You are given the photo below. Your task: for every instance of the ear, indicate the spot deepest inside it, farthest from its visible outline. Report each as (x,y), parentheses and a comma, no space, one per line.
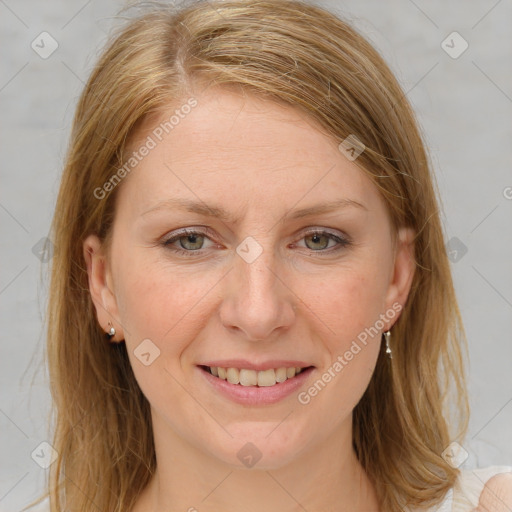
(402,272)
(101,288)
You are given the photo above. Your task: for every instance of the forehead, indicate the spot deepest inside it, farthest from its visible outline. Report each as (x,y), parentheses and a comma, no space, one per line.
(241,151)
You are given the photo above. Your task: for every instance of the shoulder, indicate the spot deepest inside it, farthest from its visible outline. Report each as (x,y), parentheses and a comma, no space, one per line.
(484,489)
(497,494)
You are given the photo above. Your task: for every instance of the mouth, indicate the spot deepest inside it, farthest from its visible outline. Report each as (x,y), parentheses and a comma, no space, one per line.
(254,378)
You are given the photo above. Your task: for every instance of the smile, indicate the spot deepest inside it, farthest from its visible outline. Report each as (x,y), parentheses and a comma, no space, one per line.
(246,377)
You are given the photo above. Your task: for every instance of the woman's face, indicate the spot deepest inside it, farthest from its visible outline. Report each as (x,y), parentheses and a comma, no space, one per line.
(269,279)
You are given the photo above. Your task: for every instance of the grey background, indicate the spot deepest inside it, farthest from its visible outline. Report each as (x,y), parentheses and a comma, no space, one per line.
(464,106)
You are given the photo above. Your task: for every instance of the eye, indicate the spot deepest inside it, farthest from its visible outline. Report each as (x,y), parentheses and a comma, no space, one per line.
(318,241)
(189,240)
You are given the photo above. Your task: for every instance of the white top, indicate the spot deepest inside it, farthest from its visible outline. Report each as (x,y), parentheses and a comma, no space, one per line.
(463,497)
(465,494)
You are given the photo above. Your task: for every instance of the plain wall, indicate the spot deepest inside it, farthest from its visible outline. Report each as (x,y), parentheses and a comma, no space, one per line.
(463,104)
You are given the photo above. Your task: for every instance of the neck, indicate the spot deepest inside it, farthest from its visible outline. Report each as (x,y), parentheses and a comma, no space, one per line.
(328,477)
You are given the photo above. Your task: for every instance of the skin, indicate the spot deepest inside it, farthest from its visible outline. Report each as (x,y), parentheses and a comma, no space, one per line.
(260,161)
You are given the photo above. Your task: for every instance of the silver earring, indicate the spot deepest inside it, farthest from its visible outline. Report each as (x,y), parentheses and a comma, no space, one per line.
(112,331)
(387,335)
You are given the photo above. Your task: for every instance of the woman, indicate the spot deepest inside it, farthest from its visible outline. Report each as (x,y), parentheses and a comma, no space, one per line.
(251,305)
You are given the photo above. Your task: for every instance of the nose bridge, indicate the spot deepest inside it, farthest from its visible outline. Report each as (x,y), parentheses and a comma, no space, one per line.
(258,302)
(256,269)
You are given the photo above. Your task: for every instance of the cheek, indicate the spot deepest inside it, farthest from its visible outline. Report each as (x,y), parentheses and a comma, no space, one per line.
(346,300)
(161,303)
(167,307)
(348,308)
(351,343)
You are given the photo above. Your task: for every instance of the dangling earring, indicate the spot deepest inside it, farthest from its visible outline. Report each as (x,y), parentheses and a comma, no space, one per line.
(387,335)
(112,331)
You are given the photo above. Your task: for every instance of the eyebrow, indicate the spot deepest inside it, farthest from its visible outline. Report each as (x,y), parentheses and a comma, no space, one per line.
(222,214)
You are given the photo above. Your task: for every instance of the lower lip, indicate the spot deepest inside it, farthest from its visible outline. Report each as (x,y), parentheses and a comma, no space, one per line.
(254,395)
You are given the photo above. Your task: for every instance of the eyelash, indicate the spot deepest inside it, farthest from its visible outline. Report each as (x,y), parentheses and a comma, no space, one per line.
(342,242)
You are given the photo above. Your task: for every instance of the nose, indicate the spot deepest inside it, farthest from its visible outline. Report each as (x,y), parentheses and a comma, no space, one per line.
(258,298)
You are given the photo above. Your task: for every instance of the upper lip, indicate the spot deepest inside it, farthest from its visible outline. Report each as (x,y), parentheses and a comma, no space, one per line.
(248,365)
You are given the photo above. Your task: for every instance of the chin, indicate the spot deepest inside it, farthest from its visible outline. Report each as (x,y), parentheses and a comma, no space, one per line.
(260,446)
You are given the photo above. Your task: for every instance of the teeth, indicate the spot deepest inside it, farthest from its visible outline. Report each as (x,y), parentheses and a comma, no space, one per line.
(267,377)
(280,374)
(248,378)
(232,376)
(262,378)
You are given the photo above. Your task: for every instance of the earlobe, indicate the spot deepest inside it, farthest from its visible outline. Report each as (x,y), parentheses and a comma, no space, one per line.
(403,269)
(101,293)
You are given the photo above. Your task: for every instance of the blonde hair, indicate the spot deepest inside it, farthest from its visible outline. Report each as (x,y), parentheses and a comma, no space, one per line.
(304,56)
